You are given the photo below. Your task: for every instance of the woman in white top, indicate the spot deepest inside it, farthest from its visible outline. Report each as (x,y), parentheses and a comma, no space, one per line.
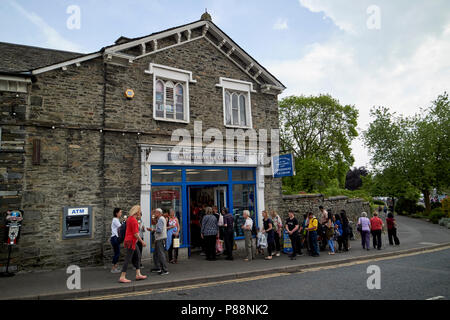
(115,225)
(247,227)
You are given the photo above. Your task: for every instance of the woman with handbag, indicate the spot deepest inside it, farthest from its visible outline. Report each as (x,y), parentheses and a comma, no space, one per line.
(174,225)
(278,229)
(269,233)
(364,228)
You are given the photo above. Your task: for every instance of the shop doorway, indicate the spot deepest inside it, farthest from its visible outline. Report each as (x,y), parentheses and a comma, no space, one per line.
(201,197)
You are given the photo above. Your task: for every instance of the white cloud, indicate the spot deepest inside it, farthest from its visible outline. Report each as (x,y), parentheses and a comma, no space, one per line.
(403,66)
(281,24)
(52,38)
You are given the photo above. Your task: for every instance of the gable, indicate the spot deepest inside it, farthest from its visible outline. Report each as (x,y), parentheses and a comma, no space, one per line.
(127,51)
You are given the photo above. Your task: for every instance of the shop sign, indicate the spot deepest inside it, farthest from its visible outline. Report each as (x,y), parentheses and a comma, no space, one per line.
(283,166)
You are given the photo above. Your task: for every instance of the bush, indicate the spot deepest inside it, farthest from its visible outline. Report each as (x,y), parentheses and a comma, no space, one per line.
(378,202)
(435,205)
(405,206)
(446,206)
(436,215)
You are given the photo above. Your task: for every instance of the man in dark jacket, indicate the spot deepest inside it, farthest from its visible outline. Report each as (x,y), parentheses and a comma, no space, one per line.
(228,223)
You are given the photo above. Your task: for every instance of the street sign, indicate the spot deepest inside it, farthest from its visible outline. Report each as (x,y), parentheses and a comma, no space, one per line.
(283,166)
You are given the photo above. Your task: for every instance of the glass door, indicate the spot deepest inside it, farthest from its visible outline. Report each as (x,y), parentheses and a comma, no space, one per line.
(220,197)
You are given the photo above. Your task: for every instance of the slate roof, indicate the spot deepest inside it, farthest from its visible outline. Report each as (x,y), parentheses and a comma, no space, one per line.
(16,58)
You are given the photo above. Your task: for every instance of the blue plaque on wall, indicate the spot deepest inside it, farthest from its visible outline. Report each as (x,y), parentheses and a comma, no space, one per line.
(283,166)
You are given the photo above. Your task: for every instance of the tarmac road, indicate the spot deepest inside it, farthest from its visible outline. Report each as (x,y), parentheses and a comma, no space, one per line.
(419,276)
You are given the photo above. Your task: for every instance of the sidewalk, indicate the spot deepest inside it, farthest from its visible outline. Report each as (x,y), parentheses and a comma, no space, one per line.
(414,235)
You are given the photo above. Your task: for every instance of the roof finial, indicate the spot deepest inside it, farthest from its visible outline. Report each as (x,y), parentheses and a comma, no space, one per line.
(206,16)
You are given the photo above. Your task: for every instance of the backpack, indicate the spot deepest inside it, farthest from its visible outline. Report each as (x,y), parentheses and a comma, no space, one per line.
(121,231)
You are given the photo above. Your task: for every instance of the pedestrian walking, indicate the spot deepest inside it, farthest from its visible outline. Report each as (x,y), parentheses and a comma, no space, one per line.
(376,226)
(312,230)
(173,232)
(278,231)
(330,234)
(364,229)
(209,231)
(159,254)
(267,230)
(392,229)
(228,233)
(131,237)
(115,225)
(247,227)
(293,229)
(345,230)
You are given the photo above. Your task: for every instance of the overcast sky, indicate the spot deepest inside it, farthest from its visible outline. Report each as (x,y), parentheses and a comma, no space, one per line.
(365,53)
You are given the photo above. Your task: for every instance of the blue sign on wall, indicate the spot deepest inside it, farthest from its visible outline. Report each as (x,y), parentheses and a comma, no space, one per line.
(283,166)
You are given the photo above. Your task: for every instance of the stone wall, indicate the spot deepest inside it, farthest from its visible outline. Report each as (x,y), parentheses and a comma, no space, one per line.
(302,204)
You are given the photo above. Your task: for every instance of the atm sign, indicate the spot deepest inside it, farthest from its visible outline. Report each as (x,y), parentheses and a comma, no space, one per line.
(78,211)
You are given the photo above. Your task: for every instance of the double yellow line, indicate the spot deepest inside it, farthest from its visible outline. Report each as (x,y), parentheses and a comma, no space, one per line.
(261,277)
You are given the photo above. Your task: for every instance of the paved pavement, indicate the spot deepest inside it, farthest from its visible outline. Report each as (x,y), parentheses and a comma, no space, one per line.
(419,277)
(413,234)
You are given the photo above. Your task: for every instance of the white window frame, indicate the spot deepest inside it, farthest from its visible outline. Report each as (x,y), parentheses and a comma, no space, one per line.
(240,87)
(21,84)
(177,76)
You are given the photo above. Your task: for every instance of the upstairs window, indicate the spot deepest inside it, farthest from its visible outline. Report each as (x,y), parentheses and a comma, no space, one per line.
(171,93)
(237,103)
(236,109)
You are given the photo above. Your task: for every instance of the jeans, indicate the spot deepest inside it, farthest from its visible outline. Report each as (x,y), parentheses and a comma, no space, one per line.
(210,247)
(365,239)
(134,256)
(159,255)
(392,234)
(116,247)
(331,245)
(228,237)
(249,246)
(314,244)
(277,242)
(173,252)
(295,244)
(376,235)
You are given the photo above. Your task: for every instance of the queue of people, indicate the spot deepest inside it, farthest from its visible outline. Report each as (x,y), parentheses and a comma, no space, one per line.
(327,232)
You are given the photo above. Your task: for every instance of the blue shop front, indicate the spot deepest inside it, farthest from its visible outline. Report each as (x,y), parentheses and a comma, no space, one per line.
(188,189)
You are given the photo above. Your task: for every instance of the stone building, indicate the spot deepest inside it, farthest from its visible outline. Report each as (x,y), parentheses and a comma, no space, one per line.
(82,134)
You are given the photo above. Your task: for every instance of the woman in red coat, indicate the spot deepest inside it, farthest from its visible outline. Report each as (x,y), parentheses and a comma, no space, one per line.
(131,238)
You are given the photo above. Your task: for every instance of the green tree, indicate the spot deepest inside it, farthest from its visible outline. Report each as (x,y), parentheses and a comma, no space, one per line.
(411,151)
(318,130)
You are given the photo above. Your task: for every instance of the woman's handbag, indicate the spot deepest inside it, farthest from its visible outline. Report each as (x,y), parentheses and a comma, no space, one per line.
(176,243)
(219,246)
(262,240)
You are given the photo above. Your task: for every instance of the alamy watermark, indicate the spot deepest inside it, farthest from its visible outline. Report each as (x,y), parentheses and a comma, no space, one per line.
(74,280)
(374,280)
(237,146)
(374,20)
(74,20)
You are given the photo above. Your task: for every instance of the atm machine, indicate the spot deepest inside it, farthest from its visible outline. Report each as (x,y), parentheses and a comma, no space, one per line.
(77,222)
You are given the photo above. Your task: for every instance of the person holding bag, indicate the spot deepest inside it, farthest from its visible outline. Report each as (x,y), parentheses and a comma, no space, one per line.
(278,229)
(173,232)
(269,233)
